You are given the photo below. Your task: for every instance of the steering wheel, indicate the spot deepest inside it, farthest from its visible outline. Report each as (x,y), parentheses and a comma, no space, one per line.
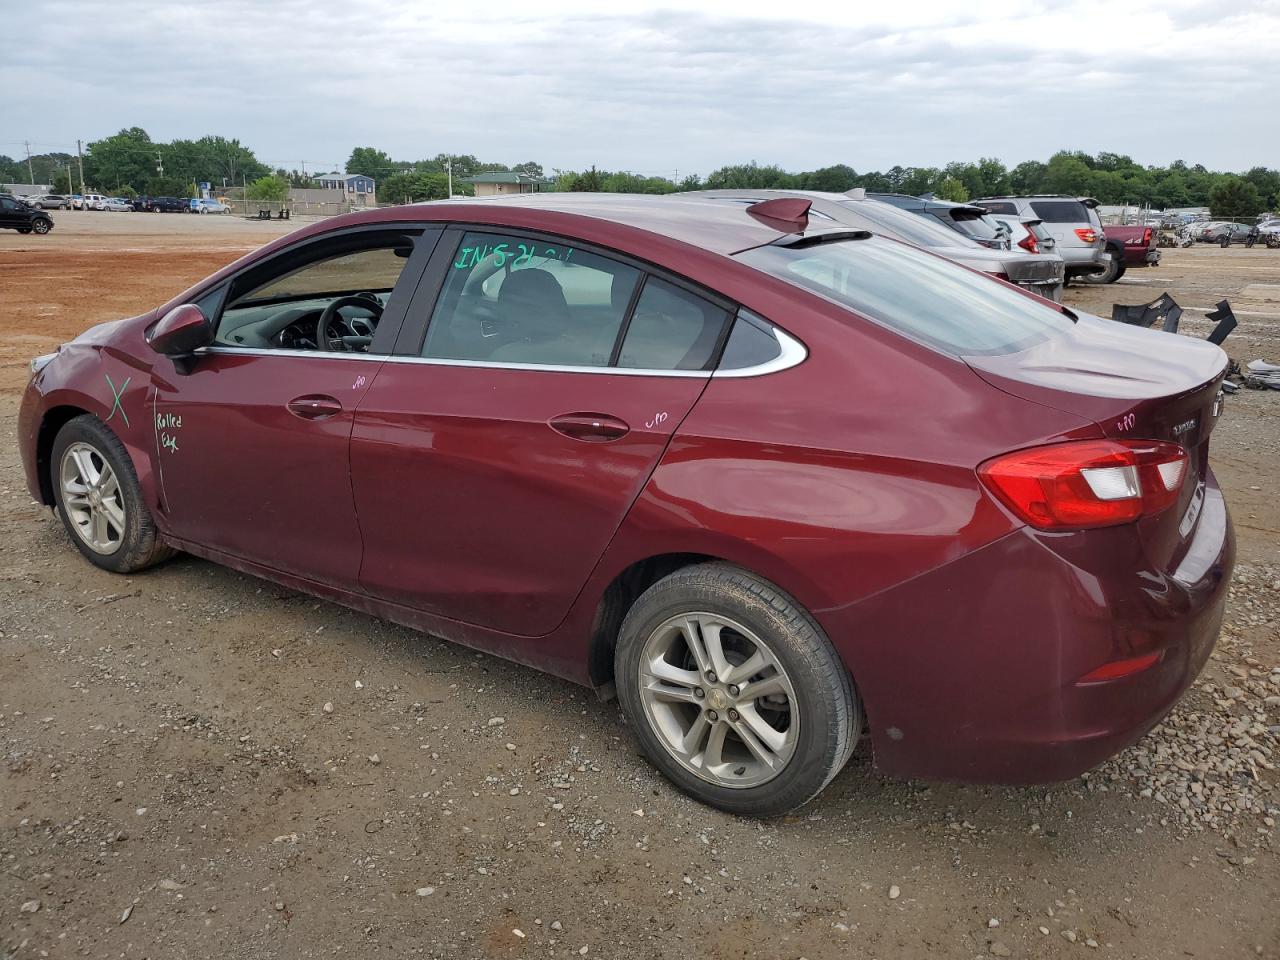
(364,301)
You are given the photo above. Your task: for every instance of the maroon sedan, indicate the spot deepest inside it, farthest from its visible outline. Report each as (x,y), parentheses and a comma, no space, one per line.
(776,483)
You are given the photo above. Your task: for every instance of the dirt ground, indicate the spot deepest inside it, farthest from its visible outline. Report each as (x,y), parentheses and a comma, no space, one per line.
(198,764)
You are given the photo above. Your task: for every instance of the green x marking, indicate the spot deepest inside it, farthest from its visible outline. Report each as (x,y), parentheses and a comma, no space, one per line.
(118,394)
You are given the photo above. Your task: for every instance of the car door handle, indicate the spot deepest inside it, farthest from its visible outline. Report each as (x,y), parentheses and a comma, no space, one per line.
(314,407)
(590,427)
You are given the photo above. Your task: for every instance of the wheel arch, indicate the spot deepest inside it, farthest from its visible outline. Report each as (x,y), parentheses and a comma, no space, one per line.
(616,599)
(55,418)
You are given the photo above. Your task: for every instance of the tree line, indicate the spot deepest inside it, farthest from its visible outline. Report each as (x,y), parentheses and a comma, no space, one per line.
(1111,178)
(131,162)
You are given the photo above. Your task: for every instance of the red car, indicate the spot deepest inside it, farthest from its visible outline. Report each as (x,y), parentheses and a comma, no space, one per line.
(776,483)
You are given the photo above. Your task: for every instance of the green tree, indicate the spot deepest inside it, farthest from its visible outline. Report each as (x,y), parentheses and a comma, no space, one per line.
(749,175)
(691,182)
(1027,177)
(273,188)
(1233,199)
(164,187)
(371,162)
(952,189)
(833,179)
(529,169)
(589,182)
(1268,184)
(1067,173)
(128,157)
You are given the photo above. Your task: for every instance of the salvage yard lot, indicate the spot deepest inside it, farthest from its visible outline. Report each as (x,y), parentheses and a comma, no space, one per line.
(198,764)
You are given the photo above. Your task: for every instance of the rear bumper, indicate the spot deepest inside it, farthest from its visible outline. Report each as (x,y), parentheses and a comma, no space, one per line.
(970,672)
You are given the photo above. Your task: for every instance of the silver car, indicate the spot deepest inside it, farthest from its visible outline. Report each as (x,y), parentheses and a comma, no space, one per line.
(1073,221)
(1039,273)
(1031,235)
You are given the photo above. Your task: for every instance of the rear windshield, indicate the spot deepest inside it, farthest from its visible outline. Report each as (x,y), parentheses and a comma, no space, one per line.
(924,296)
(1060,211)
(882,217)
(978,226)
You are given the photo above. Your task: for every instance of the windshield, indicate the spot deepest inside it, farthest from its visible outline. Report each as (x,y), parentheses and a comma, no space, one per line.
(924,296)
(884,218)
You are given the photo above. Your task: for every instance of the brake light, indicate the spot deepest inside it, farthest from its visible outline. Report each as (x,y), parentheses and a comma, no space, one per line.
(1028,243)
(1087,483)
(1146,237)
(1087,234)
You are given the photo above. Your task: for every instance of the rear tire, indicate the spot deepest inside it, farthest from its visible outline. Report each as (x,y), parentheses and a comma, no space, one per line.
(804,705)
(99,499)
(1113,272)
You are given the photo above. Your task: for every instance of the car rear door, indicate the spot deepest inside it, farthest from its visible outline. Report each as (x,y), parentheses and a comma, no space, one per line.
(535,386)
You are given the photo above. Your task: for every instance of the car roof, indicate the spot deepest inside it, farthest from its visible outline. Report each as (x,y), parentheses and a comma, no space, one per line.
(715,227)
(917,203)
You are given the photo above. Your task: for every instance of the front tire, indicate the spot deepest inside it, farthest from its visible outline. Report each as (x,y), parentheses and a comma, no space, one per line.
(99,499)
(734,692)
(41,226)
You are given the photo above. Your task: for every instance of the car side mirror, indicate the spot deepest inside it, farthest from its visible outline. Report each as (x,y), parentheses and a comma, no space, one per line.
(181,332)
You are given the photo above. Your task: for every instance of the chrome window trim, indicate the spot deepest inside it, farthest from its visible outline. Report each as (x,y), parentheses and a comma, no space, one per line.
(793,353)
(264,352)
(552,367)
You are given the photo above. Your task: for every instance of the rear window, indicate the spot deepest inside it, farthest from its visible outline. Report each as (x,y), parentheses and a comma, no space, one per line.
(1060,211)
(978,226)
(900,224)
(923,296)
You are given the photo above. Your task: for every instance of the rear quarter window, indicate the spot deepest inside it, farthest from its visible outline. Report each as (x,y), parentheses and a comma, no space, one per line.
(999,206)
(924,297)
(1060,211)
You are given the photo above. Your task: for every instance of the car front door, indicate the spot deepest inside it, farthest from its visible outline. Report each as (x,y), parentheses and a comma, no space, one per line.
(497,453)
(11,213)
(252,435)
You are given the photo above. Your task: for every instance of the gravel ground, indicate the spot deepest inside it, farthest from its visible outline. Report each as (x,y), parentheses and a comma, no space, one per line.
(194,763)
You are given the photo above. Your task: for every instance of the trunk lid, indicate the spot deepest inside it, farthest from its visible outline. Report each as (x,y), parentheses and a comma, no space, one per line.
(1134,384)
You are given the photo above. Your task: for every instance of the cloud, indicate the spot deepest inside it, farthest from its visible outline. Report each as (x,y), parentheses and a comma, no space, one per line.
(654,89)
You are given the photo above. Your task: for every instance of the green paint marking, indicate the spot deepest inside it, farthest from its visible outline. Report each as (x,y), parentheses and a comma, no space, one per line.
(118,405)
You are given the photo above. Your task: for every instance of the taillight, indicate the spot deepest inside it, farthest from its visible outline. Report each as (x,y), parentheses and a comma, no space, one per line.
(1087,234)
(1087,483)
(1028,243)
(1146,237)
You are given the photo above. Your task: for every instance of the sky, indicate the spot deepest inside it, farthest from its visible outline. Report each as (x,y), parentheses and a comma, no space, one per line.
(656,89)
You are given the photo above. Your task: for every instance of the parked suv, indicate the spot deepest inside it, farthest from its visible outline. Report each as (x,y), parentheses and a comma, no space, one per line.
(965,218)
(1073,221)
(169,205)
(16,215)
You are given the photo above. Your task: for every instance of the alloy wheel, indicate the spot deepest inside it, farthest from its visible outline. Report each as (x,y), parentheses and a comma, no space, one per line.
(92,498)
(719,700)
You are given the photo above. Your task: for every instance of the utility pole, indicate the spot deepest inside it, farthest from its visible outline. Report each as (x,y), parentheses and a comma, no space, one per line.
(30,170)
(80,154)
(448,168)
(159,164)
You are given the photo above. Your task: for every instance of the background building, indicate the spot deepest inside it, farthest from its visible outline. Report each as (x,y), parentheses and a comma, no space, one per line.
(359,189)
(504,182)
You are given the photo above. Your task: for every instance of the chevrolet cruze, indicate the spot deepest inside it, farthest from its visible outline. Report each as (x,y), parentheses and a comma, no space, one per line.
(781,486)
